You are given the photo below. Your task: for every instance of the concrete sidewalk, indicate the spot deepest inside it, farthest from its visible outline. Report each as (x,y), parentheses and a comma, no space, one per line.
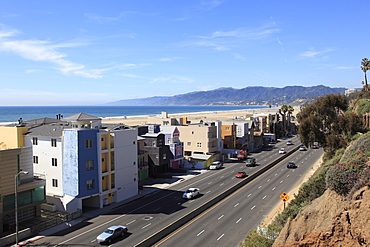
(149,187)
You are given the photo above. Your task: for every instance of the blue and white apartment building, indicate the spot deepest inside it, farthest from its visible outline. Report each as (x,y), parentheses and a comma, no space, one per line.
(85,164)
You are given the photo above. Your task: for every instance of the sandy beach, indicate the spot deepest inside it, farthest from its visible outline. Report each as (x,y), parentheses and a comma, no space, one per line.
(195,117)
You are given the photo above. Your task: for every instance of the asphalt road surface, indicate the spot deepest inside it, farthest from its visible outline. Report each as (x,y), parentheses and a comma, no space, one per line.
(237,215)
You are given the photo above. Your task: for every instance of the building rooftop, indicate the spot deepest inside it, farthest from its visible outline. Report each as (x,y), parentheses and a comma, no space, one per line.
(81,117)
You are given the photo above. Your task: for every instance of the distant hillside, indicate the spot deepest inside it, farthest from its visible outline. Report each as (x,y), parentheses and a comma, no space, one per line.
(232,96)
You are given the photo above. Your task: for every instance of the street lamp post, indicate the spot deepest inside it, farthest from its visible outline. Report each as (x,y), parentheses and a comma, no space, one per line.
(16,205)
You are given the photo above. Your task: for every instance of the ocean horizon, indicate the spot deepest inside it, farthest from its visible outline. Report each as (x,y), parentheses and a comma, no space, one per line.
(14,113)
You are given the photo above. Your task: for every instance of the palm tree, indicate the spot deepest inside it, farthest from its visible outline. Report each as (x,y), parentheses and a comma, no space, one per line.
(290,111)
(284,109)
(365,66)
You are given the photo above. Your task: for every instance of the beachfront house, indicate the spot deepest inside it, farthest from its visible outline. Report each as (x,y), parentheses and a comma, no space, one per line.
(172,139)
(85,164)
(158,152)
(200,143)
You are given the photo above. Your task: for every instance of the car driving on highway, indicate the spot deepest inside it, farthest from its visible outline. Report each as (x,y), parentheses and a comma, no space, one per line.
(241,174)
(282,151)
(111,233)
(302,148)
(191,193)
(250,161)
(291,165)
(215,165)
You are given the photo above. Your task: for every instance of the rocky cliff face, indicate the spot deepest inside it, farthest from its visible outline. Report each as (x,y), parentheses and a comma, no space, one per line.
(330,221)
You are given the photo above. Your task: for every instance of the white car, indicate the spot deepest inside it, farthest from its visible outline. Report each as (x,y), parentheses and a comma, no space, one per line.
(289,143)
(302,148)
(282,151)
(215,165)
(191,193)
(111,233)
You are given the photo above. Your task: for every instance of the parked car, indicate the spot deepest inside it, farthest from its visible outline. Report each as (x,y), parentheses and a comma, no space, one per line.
(302,148)
(111,233)
(282,151)
(291,165)
(241,174)
(215,165)
(289,143)
(250,161)
(191,193)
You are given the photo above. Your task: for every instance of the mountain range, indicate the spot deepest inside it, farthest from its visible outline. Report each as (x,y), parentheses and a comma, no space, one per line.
(256,95)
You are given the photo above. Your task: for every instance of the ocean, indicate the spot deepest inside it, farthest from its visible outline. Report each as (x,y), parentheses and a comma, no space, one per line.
(13,113)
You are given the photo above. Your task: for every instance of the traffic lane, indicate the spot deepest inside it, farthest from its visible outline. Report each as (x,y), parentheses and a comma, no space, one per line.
(139,223)
(234,218)
(170,208)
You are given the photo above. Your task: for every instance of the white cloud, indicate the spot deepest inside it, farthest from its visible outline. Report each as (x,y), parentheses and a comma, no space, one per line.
(223,40)
(29,71)
(281,44)
(343,67)
(239,57)
(172,79)
(169,59)
(316,55)
(208,5)
(256,33)
(44,51)
(130,75)
(206,43)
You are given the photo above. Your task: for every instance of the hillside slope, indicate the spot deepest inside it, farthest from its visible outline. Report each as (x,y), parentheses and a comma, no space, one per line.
(228,95)
(330,221)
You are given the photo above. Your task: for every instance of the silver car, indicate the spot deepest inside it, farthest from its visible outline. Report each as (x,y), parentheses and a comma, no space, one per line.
(191,193)
(111,233)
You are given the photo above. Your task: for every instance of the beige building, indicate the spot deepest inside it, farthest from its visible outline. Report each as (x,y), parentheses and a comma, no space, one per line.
(199,138)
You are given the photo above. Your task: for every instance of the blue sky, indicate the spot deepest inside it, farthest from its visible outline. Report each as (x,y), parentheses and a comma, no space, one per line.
(91,52)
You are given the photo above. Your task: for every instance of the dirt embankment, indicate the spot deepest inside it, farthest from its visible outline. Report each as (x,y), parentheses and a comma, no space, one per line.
(330,220)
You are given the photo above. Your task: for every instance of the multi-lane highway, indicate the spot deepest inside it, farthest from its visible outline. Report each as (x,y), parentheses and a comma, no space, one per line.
(228,222)
(223,225)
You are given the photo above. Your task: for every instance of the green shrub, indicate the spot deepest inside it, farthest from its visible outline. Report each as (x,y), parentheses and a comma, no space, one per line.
(343,176)
(363,180)
(256,238)
(363,106)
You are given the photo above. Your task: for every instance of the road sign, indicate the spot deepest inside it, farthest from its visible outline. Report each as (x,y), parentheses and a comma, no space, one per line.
(284,196)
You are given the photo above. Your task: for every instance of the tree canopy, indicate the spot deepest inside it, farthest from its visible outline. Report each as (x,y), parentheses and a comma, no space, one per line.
(326,121)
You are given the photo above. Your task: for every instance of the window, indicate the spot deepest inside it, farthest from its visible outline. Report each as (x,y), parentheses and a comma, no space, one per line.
(199,144)
(90,184)
(35,159)
(53,142)
(88,143)
(89,165)
(55,182)
(54,161)
(164,156)
(227,128)
(189,144)
(34,141)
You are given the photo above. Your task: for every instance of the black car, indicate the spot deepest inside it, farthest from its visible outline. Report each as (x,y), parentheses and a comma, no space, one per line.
(291,165)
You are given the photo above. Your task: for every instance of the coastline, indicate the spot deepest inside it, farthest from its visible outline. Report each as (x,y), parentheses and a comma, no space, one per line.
(194,116)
